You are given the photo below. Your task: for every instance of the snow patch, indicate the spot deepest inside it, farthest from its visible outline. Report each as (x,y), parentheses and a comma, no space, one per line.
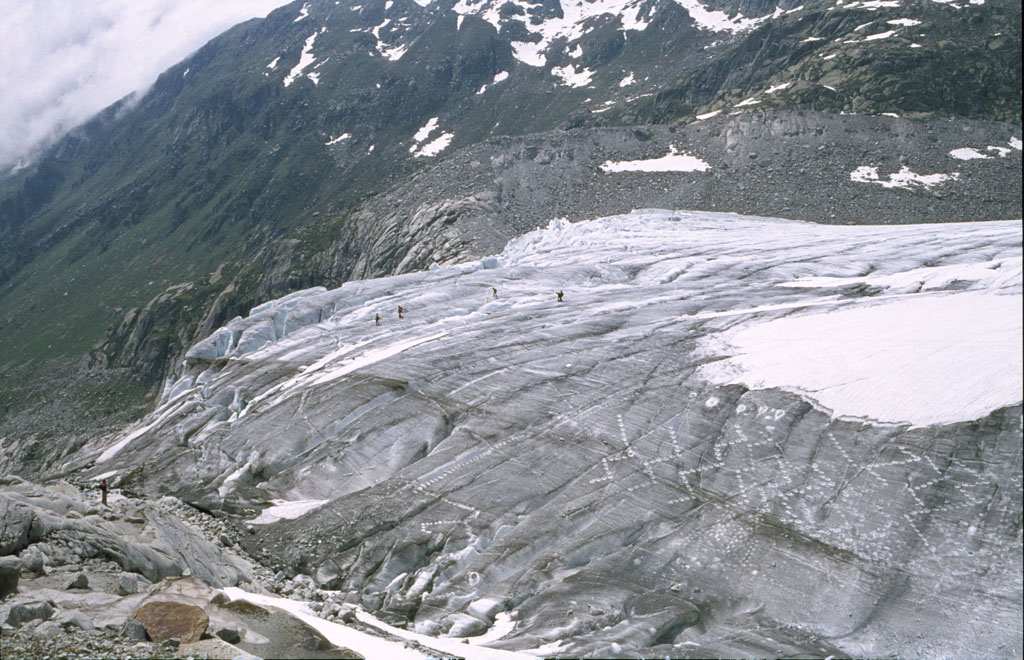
(285,510)
(424,132)
(393,54)
(343,136)
(920,360)
(718,21)
(571,77)
(436,146)
(873,5)
(570,26)
(303,13)
(966,153)
(905,178)
(672,162)
(880,35)
(305,59)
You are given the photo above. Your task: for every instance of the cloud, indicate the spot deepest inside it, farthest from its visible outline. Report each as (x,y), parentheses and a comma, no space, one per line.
(62,61)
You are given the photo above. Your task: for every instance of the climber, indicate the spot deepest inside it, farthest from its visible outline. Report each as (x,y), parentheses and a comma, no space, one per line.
(495,291)
(559,294)
(400,312)
(377,319)
(103,491)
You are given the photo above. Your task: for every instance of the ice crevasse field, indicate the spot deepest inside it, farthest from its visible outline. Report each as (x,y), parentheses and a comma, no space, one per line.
(904,326)
(911,323)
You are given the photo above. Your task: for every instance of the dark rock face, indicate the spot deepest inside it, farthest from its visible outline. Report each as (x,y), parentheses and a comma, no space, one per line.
(165,620)
(10,573)
(229,635)
(133,629)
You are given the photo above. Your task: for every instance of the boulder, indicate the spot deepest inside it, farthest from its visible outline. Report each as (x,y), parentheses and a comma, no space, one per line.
(133,629)
(10,573)
(32,559)
(127,584)
(81,581)
(213,648)
(229,635)
(166,620)
(24,612)
(47,630)
(74,618)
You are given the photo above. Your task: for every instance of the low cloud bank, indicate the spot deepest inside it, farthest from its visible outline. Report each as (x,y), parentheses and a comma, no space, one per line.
(62,61)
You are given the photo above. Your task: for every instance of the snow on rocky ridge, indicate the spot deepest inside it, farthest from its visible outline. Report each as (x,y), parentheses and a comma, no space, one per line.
(721,411)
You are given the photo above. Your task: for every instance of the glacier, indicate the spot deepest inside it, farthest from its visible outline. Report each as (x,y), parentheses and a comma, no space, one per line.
(734,435)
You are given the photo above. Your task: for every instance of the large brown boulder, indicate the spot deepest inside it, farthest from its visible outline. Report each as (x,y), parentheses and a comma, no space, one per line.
(166,619)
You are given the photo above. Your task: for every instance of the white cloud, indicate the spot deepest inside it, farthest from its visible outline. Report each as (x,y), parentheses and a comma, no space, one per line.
(62,61)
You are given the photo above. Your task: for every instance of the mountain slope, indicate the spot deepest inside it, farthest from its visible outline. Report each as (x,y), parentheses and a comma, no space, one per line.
(634,470)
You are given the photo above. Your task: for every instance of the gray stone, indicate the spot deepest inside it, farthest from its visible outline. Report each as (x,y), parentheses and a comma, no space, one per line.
(346,614)
(81,581)
(133,629)
(24,612)
(74,618)
(33,560)
(127,584)
(229,635)
(47,630)
(10,573)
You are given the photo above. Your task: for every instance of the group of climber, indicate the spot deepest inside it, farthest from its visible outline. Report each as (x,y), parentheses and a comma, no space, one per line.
(494,293)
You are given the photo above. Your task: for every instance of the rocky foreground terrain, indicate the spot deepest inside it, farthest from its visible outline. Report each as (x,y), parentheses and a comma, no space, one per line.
(138,578)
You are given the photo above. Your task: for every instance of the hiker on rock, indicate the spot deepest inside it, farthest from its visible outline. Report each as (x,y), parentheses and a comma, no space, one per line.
(400,312)
(376,320)
(559,294)
(103,491)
